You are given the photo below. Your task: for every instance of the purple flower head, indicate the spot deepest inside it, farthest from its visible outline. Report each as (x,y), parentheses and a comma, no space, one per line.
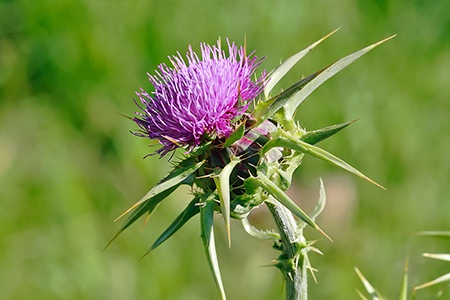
(198,100)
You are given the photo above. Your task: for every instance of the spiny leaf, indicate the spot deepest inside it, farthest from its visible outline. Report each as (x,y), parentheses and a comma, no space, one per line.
(265,109)
(284,199)
(315,136)
(222,182)
(146,207)
(301,146)
(207,221)
(259,234)
(282,69)
(329,72)
(150,201)
(191,210)
(173,179)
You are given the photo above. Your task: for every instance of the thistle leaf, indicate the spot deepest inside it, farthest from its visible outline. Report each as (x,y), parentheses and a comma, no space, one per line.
(282,69)
(301,146)
(222,182)
(259,234)
(174,179)
(146,207)
(284,199)
(150,201)
(315,136)
(191,210)
(207,221)
(329,72)
(265,109)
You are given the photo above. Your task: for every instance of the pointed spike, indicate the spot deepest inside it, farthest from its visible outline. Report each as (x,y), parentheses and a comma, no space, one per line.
(112,240)
(282,69)
(299,145)
(330,71)
(324,234)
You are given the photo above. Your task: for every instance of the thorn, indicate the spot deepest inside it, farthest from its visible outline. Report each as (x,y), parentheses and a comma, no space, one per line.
(109,243)
(228,235)
(375,183)
(322,232)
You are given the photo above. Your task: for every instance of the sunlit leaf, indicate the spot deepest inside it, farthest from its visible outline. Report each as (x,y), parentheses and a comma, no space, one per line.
(259,234)
(315,136)
(301,146)
(282,69)
(329,72)
(265,109)
(150,201)
(175,178)
(207,232)
(222,182)
(284,199)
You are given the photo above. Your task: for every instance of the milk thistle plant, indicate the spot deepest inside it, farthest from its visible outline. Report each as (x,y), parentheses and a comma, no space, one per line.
(241,145)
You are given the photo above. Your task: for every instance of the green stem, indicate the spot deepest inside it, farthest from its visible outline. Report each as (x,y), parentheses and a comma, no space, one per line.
(292,265)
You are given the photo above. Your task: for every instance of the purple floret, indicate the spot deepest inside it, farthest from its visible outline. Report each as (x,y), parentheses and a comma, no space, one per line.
(196,101)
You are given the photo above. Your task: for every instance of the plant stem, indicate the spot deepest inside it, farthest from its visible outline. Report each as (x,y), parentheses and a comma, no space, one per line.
(292,265)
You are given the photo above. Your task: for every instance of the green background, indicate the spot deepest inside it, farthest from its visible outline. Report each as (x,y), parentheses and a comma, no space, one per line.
(69,166)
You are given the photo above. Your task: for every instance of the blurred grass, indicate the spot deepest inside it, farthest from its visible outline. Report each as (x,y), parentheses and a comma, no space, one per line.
(69,166)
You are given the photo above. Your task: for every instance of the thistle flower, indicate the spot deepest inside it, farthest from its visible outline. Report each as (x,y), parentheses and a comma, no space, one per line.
(198,100)
(243,145)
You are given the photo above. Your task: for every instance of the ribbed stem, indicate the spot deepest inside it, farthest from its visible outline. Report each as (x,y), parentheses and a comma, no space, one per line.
(295,277)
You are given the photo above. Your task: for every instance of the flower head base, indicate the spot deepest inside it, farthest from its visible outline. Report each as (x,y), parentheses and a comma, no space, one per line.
(198,100)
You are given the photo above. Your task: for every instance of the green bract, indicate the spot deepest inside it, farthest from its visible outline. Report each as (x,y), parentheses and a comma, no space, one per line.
(253,166)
